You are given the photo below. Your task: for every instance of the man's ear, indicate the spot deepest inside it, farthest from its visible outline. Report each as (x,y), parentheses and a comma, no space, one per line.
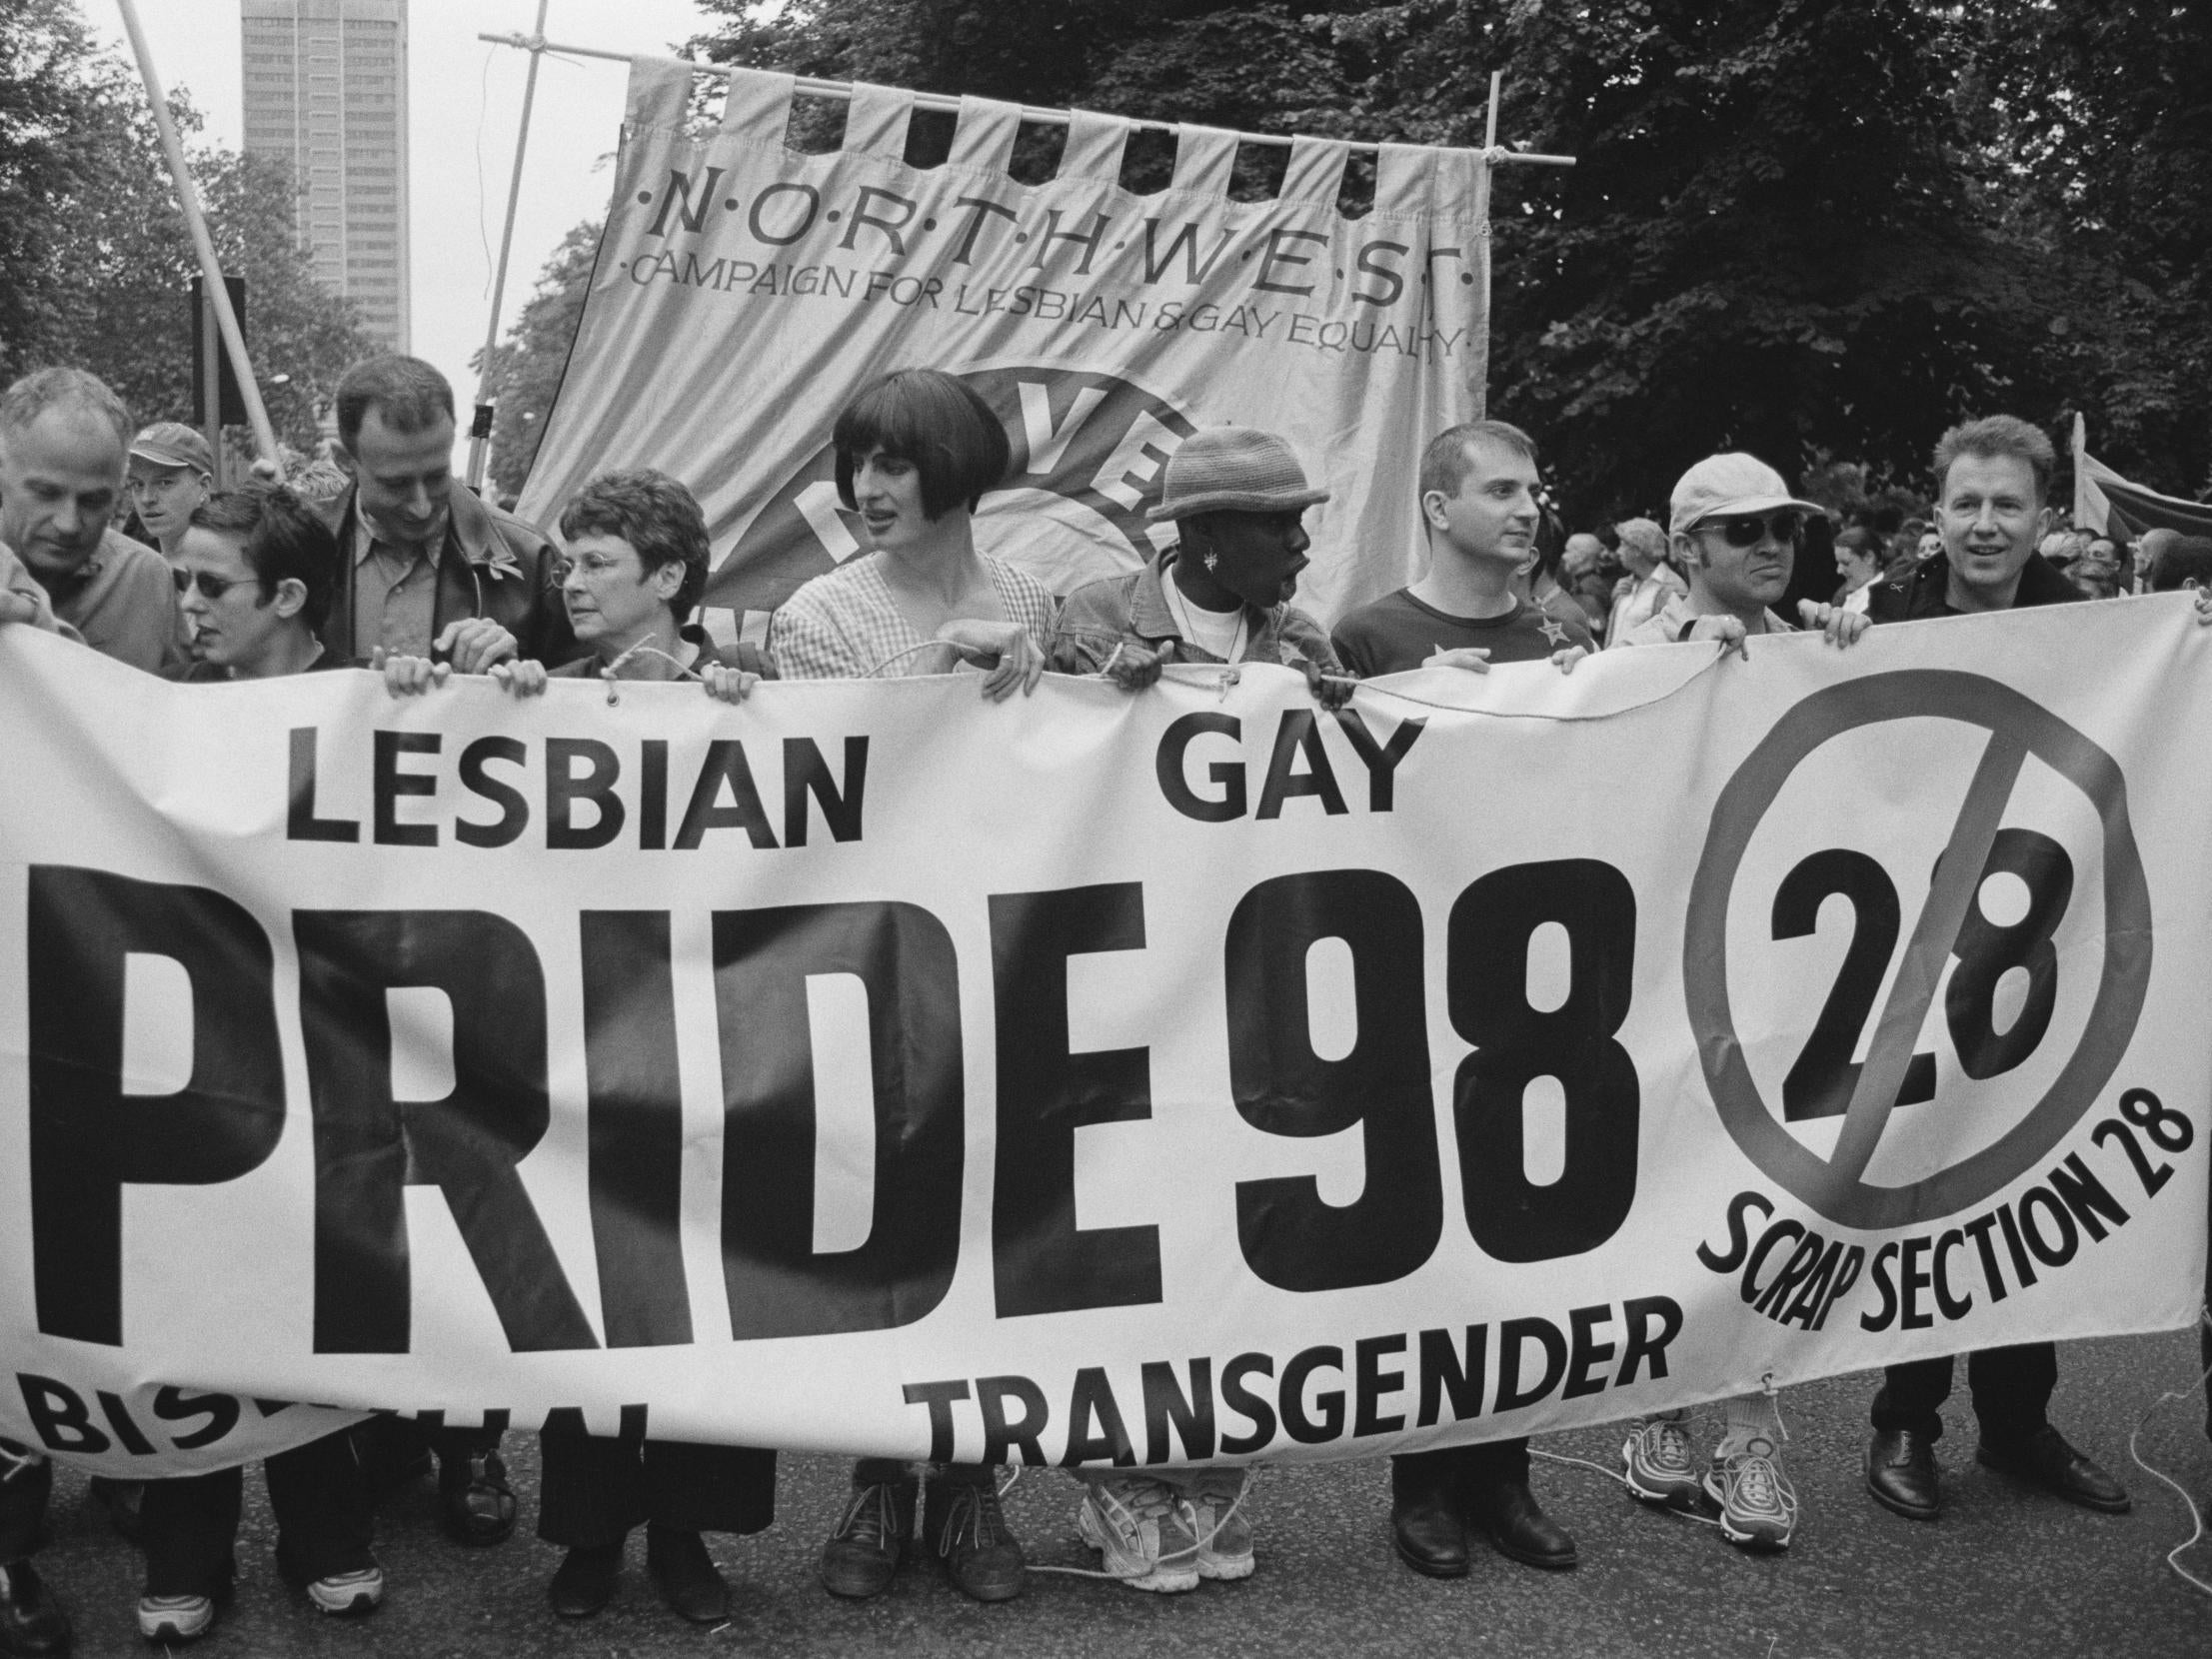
(1686,552)
(2047,521)
(290,597)
(1433,510)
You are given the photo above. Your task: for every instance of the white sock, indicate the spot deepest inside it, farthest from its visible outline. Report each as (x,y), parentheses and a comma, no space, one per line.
(1745,1416)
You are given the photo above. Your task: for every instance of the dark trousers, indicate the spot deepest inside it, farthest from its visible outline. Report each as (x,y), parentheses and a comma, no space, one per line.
(25,1480)
(593,1488)
(1491,1464)
(2011,1388)
(321,1500)
(392,1449)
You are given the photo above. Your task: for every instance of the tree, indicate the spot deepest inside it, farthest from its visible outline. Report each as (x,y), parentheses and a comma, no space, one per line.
(1809,228)
(2098,129)
(96,263)
(528,364)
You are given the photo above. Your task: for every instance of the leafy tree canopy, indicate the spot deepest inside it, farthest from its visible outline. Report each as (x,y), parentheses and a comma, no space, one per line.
(1814,229)
(96,264)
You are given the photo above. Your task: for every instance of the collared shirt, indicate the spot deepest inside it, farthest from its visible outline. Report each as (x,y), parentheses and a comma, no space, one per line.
(1674,620)
(1133,610)
(123,603)
(395,590)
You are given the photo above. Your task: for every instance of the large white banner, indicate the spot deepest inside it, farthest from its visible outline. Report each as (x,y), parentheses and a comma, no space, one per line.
(745,291)
(1160,1077)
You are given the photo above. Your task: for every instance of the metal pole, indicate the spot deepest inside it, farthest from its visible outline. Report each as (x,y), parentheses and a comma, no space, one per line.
(210,273)
(809,86)
(1478,360)
(480,427)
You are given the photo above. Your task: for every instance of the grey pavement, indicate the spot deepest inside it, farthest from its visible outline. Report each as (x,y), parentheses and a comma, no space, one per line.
(2006,1573)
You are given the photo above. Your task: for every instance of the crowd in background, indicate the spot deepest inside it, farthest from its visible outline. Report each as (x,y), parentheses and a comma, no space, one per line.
(380,558)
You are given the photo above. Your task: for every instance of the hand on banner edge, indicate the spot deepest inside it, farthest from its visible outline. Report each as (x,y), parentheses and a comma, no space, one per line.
(406,675)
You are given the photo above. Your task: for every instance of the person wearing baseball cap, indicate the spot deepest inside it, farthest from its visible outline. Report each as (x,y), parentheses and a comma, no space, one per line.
(1222,594)
(1736,528)
(171,473)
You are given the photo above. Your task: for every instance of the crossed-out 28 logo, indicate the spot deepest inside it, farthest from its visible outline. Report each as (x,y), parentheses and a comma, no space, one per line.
(1898,1026)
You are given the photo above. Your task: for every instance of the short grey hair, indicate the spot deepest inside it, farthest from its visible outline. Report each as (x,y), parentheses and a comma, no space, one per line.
(1645,536)
(70,389)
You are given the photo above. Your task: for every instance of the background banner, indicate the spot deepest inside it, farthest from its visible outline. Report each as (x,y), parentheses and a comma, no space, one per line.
(1161,1077)
(745,291)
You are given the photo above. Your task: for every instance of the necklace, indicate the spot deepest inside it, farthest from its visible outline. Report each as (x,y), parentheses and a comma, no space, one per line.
(1180,607)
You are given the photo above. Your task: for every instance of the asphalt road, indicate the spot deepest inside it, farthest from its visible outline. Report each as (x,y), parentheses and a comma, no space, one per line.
(2005,1574)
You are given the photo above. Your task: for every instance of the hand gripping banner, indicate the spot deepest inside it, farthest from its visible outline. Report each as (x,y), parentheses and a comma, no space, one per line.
(1095,1079)
(745,291)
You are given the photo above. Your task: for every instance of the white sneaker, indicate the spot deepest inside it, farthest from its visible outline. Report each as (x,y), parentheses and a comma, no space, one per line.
(1758,1506)
(345,1594)
(1655,1461)
(175,1619)
(1143,1531)
(1218,1522)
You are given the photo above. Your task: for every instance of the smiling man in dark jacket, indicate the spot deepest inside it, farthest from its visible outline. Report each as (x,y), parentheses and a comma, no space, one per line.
(430,568)
(1993,478)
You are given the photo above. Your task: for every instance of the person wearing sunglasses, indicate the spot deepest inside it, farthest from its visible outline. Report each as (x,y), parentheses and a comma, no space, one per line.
(1735,529)
(255,572)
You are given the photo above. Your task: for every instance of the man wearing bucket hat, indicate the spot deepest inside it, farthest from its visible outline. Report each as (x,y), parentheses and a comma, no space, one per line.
(1735,529)
(171,472)
(1222,594)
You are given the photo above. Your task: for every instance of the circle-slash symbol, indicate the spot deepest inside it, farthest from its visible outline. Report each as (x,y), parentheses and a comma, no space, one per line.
(2018,727)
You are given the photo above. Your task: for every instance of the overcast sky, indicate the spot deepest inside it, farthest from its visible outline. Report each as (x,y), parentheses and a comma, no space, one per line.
(463,105)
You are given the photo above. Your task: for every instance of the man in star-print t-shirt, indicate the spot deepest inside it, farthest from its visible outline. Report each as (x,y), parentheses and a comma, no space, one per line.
(1478,507)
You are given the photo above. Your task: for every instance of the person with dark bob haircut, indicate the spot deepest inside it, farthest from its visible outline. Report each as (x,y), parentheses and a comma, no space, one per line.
(940,423)
(256,568)
(914,452)
(634,570)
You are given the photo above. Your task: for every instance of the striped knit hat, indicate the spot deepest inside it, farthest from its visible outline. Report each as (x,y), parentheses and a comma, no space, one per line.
(1233,470)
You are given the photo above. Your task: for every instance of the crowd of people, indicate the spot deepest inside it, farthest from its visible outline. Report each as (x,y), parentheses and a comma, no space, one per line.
(385,561)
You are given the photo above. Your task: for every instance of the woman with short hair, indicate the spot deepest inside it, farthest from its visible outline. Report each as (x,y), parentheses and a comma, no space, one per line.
(914,452)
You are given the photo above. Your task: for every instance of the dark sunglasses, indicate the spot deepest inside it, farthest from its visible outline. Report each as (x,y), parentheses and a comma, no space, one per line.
(211,587)
(1745,533)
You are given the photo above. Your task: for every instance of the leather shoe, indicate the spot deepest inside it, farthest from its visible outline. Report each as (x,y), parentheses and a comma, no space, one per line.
(2046,1459)
(1518,1525)
(584,1581)
(685,1575)
(477,1504)
(1425,1522)
(32,1623)
(1900,1473)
